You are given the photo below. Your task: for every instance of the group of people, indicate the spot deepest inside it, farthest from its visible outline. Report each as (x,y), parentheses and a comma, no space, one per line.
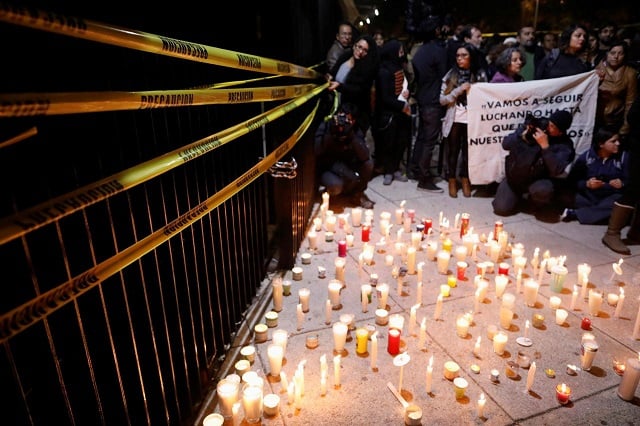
(376,83)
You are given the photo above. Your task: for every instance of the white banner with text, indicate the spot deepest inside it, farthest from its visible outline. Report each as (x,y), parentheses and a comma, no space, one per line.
(496,109)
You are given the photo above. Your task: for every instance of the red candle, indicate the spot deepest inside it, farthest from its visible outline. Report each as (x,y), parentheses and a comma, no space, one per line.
(342,248)
(585,324)
(366,233)
(464,224)
(428,223)
(563,393)
(503,268)
(393,343)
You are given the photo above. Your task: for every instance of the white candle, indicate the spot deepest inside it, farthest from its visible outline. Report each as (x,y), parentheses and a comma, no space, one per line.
(530,376)
(227,391)
(275,353)
(356,216)
(554,302)
(339,264)
(574,298)
(526,329)
(336,371)
(300,315)
(298,392)
(419,271)
(530,292)
(411,260)
(280,337)
(443,262)
(636,327)
(324,368)
(252,403)
(476,306)
(630,379)
(476,347)
(423,334)
(429,377)
(237,418)
(374,350)
(500,342)
(419,293)
(334,288)
(291,393)
(339,336)
(283,380)
(462,326)
(382,291)
(303,295)
(618,311)
(277,292)
(501,284)
(327,312)
(438,311)
(365,292)
(595,302)
(561,316)
(543,267)
(481,403)
(412,320)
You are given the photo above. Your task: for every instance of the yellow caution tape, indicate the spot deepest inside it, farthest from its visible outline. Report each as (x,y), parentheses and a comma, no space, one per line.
(147,42)
(31,104)
(18,319)
(20,223)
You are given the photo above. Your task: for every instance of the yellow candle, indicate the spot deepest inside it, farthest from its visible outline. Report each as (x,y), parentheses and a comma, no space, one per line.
(452,281)
(444,290)
(362,337)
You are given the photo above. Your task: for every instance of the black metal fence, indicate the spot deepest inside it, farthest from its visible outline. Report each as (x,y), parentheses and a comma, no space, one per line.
(142,345)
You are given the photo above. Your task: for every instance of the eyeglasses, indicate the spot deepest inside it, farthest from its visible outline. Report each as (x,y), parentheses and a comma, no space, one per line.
(361,48)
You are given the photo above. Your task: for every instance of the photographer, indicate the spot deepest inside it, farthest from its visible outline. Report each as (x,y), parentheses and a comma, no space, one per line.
(539,153)
(344,164)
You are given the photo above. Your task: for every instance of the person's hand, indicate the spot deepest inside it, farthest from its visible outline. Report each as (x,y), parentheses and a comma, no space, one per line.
(616,183)
(541,137)
(466,86)
(594,183)
(333,85)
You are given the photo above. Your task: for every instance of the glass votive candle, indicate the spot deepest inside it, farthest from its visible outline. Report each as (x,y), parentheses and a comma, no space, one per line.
(511,370)
(228,394)
(561,316)
(451,370)
(554,302)
(249,353)
(537,320)
(563,393)
(508,300)
(271,403)
(382,317)
(460,385)
(260,333)
(445,290)
(252,402)
(462,326)
(461,269)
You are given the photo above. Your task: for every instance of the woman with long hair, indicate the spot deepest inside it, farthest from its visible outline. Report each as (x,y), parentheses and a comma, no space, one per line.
(567,59)
(453,95)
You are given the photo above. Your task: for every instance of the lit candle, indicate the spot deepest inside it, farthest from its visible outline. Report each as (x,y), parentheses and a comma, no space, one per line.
(501,284)
(443,262)
(445,290)
(506,316)
(535,259)
(280,337)
(563,393)
(334,288)
(636,327)
(429,375)
(327,312)
(630,379)
(412,320)
(291,393)
(574,298)
(382,291)
(356,216)
(500,342)
(252,403)
(561,316)
(277,294)
(530,292)
(554,302)
(518,281)
(271,403)
(336,371)
(481,403)
(530,376)
(365,234)
(300,315)
(618,311)
(303,295)
(393,341)
(339,336)
(411,260)
(476,306)
(374,351)
(462,326)
(365,295)
(595,302)
(438,311)
(419,293)
(237,418)
(362,338)
(400,361)
(283,380)
(227,391)
(542,270)
(423,334)
(476,348)
(526,329)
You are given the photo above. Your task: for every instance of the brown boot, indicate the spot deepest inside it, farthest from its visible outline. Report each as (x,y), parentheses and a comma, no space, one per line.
(466,187)
(453,188)
(618,220)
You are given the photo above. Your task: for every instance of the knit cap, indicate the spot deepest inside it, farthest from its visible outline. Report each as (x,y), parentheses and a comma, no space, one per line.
(562,120)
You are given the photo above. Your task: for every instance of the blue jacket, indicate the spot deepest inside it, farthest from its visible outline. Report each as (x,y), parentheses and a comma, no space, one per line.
(589,165)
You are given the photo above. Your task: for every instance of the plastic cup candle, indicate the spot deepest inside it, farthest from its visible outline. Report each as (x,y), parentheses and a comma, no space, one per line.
(461,270)
(508,300)
(503,268)
(275,353)
(228,394)
(561,316)
(249,352)
(252,403)
(242,367)
(481,403)
(461,253)
(500,343)
(460,386)
(563,393)
(303,299)
(462,326)
(530,292)
(506,316)
(271,318)
(260,333)
(271,403)
(432,248)
(630,379)
(365,234)
(382,317)
(445,290)
(280,337)
(451,370)
(339,337)
(501,284)
(589,349)
(559,274)
(443,262)
(554,302)
(595,302)
(612,299)
(339,264)
(334,288)
(382,292)
(396,321)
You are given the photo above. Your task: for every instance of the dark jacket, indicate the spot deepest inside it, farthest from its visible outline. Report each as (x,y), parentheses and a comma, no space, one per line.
(527,162)
(558,64)
(389,83)
(589,164)
(429,66)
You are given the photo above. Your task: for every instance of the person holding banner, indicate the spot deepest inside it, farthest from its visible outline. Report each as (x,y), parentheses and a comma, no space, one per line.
(453,95)
(539,152)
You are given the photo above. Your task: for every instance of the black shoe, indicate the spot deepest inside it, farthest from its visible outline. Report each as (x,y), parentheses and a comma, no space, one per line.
(399,176)
(429,186)
(388,178)
(365,202)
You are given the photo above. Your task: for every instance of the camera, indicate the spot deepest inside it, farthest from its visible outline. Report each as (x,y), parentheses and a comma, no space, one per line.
(531,123)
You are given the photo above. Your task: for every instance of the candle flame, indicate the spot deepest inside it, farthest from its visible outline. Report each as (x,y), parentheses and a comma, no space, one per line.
(431,360)
(478,341)
(527,324)
(482,397)
(621,291)
(620,261)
